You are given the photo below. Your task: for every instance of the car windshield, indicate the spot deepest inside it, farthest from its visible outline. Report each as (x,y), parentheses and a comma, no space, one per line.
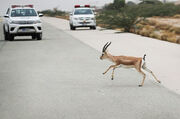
(23,12)
(82,11)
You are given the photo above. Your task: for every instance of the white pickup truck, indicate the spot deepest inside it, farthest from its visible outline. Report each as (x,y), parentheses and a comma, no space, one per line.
(22,20)
(82,16)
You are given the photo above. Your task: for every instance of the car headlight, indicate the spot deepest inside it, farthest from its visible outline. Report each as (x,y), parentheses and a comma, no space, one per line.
(14,22)
(75,18)
(92,18)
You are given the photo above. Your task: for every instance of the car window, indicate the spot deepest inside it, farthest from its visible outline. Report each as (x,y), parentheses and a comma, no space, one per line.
(23,12)
(7,11)
(82,11)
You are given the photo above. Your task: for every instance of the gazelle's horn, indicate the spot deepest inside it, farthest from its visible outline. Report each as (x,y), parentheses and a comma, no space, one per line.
(107,46)
(103,50)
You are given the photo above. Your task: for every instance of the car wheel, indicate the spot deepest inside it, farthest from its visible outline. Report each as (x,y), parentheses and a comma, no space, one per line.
(39,36)
(93,27)
(5,34)
(33,37)
(72,27)
(11,37)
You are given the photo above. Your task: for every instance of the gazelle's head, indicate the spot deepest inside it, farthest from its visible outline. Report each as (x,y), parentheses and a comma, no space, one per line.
(104,51)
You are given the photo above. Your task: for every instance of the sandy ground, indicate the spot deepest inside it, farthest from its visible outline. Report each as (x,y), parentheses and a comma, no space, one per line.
(162,57)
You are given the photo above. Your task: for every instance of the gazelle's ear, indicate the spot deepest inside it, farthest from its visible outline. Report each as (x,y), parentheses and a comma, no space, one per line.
(107,50)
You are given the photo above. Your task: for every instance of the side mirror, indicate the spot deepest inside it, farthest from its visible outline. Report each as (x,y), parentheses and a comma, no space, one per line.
(70,14)
(40,15)
(6,16)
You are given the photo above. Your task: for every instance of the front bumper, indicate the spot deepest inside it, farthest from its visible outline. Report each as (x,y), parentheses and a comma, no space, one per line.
(25,28)
(79,23)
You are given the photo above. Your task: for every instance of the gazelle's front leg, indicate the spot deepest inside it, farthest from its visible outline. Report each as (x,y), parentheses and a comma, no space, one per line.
(112,66)
(138,68)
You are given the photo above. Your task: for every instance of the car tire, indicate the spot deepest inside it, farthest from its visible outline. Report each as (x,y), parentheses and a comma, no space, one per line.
(33,37)
(72,27)
(93,27)
(11,37)
(39,36)
(5,34)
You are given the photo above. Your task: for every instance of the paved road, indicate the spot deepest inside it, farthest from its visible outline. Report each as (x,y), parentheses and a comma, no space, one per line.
(162,57)
(61,78)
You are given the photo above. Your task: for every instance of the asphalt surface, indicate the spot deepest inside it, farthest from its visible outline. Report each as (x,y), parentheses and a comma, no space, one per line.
(60,77)
(162,57)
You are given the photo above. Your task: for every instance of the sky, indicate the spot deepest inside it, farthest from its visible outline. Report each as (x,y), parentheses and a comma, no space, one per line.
(66,5)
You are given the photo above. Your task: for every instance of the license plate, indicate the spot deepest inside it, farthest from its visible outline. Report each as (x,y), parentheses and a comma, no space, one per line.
(25,29)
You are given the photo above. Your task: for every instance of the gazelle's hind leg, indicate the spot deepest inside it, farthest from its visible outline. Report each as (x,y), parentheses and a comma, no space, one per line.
(144,76)
(113,74)
(148,70)
(138,68)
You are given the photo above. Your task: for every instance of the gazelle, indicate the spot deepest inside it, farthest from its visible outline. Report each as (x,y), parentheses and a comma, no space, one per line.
(128,61)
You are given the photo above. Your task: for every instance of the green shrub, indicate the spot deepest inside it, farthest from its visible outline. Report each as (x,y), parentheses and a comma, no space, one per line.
(54,12)
(115,19)
(116,15)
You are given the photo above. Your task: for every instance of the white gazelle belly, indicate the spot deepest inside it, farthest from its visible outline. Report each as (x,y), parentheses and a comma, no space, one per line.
(126,66)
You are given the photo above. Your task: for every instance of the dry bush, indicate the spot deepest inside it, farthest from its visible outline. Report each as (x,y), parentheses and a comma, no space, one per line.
(171,37)
(176,16)
(164,37)
(163,26)
(132,30)
(175,30)
(152,22)
(145,32)
(150,28)
(119,29)
(137,31)
(178,39)
(156,29)
(155,34)
(144,22)
(103,25)
(139,26)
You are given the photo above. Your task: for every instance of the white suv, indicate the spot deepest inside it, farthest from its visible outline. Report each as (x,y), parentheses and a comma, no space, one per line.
(22,20)
(82,16)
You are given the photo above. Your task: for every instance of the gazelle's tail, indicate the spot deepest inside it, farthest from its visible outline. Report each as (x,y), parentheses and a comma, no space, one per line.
(144,57)
(144,62)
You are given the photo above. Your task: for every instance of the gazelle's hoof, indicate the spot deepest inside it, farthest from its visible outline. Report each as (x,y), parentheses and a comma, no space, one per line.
(159,81)
(112,78)
(103,73)
(140,85)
